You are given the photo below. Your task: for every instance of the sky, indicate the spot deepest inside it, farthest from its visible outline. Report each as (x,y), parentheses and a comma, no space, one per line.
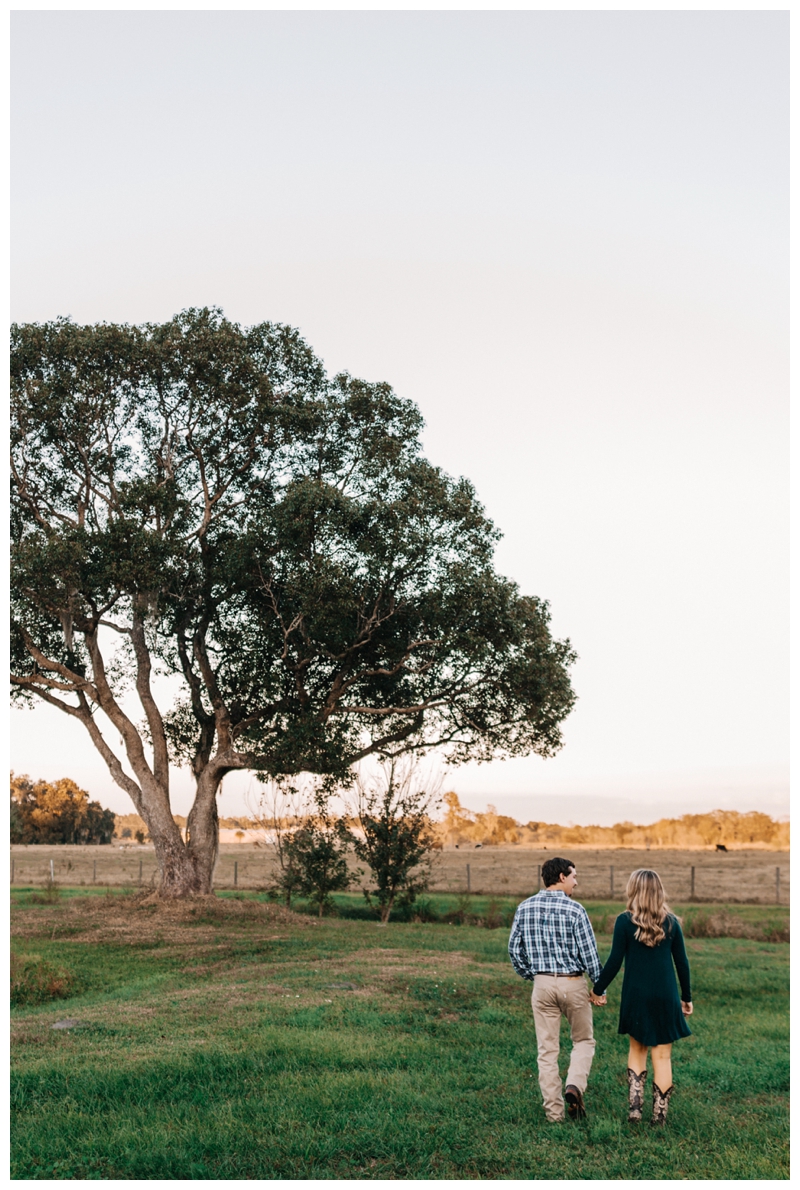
(564,235)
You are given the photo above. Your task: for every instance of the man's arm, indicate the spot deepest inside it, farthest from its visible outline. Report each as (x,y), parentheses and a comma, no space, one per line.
(517,951)
(587,946)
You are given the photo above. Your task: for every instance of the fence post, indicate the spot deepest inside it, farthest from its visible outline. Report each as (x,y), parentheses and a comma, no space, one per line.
(94,872)
(469,884)
(538,876)
(612,880)
(52,873)
(140,871)
(236,873)
(692,881)
(777,886)
(12,871)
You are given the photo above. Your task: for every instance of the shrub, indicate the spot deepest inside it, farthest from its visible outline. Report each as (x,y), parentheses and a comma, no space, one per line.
(424,911)
(35,981)
(719,923)
(49,894)
(495,917)
(317,855)
(462,914)
(394,834)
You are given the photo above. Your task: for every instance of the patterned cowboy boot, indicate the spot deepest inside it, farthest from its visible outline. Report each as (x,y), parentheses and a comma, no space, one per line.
(661,1103)
(635,1095)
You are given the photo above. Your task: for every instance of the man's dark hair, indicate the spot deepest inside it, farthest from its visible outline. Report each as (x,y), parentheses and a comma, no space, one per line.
(553,868)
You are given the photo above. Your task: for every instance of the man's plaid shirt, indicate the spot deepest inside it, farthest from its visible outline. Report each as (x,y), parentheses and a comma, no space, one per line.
(552,933)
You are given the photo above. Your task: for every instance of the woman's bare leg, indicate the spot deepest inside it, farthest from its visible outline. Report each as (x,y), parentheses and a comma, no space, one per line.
(662,1066)
(637,1056)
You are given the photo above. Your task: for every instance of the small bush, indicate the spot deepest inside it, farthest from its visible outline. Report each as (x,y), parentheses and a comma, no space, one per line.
(49,894)
(35,981)
(462,914)
(423,911)
(719,923)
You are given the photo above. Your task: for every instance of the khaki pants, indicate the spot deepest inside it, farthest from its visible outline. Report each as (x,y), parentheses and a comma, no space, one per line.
(552,998)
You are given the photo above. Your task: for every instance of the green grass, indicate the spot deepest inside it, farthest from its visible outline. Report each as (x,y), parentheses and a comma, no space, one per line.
(220,1050)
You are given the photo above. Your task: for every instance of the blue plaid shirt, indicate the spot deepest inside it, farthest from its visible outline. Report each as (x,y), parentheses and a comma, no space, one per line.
(553,933)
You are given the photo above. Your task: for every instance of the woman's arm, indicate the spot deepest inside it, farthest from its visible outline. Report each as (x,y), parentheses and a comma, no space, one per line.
(614,961)
(681,963)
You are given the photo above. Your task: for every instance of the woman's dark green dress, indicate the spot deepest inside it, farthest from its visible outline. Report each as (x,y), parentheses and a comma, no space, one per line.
(651,1008)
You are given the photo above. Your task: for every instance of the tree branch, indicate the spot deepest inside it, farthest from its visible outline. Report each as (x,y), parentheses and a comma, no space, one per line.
(221,715)
(45,697)
(109,704)
(76,681)
(112,760)
(154,720)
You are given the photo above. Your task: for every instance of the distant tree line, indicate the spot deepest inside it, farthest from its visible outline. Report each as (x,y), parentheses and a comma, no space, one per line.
(463,827)
(56,812)
(392,836)
(467,828)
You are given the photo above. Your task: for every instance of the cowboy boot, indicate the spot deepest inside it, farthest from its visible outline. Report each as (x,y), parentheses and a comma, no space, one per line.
(635,1095)
(661,1103)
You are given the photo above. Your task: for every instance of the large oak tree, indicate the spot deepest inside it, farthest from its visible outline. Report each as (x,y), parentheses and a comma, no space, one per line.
(201,500)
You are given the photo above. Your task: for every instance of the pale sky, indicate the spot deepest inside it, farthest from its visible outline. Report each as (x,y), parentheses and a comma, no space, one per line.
(564,235)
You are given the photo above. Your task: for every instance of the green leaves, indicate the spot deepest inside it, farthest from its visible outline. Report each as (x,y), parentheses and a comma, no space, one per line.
(393,833)
(316,862)
(322,590)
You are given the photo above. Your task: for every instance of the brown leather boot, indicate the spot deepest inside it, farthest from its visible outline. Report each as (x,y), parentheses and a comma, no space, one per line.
(575,1105)
(635,1095)
(661,1103)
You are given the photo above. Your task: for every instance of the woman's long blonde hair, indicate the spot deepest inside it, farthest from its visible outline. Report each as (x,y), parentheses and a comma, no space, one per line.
(647,905)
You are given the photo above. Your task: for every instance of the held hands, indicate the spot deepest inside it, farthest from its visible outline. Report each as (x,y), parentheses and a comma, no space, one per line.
(599,1001)
(688,1007)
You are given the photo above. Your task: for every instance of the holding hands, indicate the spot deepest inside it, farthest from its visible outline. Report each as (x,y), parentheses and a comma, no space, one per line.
(601,1000)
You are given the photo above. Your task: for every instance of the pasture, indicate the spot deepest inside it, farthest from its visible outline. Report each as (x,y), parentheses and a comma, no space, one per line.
(746,876)
(229,1038)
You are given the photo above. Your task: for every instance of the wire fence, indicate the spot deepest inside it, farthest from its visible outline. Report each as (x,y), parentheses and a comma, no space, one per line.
(743,877)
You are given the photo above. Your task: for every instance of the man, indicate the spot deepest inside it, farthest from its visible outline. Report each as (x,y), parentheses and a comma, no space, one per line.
(552,943)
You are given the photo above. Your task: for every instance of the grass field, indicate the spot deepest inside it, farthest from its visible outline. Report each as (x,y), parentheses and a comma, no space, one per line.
(738,876)
(230,1039)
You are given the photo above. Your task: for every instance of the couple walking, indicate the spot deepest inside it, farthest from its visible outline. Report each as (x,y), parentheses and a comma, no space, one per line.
(553,944)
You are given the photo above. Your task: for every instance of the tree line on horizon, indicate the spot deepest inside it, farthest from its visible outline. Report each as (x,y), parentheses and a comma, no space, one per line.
(56,812)
(61,812)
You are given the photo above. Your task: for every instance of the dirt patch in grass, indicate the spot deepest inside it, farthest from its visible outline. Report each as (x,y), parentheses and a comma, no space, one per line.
(382,964)
(129,919)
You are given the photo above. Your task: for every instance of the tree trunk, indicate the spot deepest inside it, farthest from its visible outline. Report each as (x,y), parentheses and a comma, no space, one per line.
(186,868)
(181,874)
(386,910)
(202,829)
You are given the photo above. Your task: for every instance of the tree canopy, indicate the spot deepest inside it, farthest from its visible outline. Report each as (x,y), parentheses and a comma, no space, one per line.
(201,500)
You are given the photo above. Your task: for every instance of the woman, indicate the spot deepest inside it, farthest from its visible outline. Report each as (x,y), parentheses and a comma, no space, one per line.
(648,938)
